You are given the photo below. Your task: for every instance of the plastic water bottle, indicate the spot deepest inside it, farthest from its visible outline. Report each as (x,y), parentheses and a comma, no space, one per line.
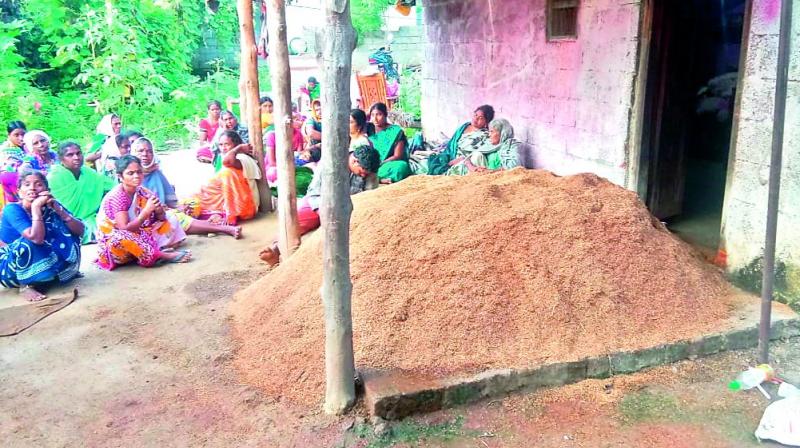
(752,377)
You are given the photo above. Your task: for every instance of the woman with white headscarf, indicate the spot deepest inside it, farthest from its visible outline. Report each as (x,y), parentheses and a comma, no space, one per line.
(104,144)
(39,157)
(501,154)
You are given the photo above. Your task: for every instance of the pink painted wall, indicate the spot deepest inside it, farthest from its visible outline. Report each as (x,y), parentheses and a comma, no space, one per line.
(569,101)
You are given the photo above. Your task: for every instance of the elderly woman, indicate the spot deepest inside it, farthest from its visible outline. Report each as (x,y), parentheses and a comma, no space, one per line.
(132,224)
(78,187)
(156,181)
(232,194)
(468,138)
(501,154)
(42,239)
(40,157)
(390,142)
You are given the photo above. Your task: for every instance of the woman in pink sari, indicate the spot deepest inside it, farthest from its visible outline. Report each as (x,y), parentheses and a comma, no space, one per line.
(132,225)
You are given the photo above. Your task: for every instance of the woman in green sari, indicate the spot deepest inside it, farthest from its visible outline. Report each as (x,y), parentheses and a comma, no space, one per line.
(470,137)
(502,153)
(390,142)
(79,188)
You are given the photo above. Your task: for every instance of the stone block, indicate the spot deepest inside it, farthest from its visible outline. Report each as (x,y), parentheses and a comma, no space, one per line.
(758,100)
(598,367)
(741,339)
(707,345)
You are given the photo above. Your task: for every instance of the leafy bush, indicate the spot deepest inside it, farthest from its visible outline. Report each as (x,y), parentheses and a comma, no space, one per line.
(65,63)
(411,93)
(367,15)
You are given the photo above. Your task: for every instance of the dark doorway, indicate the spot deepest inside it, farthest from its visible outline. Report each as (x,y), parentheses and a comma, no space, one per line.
(688,113)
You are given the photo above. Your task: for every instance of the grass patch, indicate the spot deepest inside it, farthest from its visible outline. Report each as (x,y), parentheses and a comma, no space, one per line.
(412,433)
(649,405)
(654,406)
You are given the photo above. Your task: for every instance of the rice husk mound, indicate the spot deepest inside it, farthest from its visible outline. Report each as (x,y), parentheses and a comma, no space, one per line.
(460,274)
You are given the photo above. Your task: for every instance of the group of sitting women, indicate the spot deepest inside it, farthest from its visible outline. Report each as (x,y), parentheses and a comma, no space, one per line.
(53,202)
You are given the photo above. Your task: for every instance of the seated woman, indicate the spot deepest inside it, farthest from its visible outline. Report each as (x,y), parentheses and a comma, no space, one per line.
(313,126)
(363,163)
(360,129)
(470,137)
(155,181)
(78,187)
(39,157)
(42,239)
(302,157)
(133,225)
(108,128)
(11,154)
(229,123)
(502,154)
(266,105)
(390,142)
(232,194)
(207,130)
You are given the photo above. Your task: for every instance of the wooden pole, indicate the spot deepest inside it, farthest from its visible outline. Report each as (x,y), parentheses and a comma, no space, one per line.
(776,161)
(288,230)
(336,207)
(252,113)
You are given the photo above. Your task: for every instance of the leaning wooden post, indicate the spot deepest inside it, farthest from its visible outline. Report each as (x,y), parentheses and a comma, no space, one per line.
(288,230)
(249,69)
(336,207)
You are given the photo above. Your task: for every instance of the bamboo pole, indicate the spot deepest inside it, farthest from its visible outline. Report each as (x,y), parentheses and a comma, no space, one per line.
(336,207)
(252,113)
(288,230)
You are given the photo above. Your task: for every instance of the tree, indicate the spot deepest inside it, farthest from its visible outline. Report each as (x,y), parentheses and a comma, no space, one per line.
(288,231)
(337,54)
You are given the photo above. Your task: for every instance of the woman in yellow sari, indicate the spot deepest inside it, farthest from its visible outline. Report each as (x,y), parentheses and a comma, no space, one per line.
(232,193)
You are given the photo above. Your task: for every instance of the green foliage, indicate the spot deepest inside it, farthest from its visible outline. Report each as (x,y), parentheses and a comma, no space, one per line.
(367,15)
(67,62)
(786,288)
(411,433)
(411,93)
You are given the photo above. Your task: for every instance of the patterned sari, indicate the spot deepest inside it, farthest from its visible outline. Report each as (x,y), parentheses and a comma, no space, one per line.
(117,247)
(22,262)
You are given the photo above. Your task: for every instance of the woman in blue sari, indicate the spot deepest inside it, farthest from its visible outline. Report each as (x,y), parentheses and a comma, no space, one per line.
(42,239)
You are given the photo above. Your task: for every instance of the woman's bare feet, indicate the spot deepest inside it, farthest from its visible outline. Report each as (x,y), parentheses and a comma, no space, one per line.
(234,231)
(270,255)
(31,294)
(180,256)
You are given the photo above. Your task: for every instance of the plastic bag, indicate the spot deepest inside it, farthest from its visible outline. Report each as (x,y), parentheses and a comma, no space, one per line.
(781,422)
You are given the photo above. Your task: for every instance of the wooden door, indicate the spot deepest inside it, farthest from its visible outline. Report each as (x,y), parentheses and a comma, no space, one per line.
(668,107)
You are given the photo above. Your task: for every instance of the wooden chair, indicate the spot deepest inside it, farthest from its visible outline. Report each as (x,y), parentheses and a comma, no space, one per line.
(373,90)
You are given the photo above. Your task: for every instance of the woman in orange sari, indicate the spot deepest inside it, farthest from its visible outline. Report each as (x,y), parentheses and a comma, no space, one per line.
(232,193)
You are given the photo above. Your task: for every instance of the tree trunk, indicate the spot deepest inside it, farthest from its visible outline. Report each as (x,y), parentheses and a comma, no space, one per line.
(336,207)
(249,71)
(288,230)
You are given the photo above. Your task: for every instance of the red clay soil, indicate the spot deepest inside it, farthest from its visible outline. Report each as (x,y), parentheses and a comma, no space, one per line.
(460,274)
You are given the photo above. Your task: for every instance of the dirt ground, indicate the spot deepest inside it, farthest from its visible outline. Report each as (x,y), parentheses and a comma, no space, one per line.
(142,358)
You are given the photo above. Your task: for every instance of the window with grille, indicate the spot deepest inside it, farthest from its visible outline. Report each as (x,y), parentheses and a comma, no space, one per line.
(562,19)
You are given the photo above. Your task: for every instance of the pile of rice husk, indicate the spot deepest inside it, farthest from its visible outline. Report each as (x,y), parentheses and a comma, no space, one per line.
(460,274)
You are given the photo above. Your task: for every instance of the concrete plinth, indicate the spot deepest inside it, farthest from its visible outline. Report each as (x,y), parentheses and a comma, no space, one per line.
(397,394)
